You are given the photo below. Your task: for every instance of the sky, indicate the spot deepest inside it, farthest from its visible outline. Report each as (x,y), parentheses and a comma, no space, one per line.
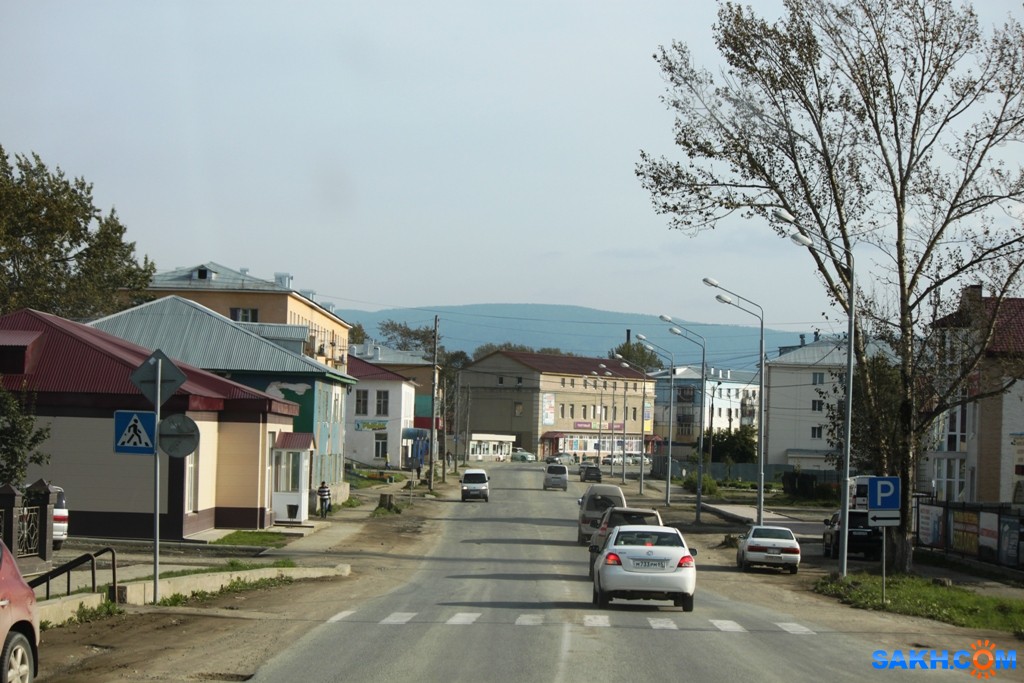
(396,153)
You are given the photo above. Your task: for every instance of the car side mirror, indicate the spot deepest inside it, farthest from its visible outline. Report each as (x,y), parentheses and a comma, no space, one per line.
(595,548)
(595,523)
(579,501)
(826,522)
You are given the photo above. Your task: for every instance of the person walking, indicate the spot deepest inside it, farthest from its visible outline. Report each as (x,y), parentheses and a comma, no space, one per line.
(324,494)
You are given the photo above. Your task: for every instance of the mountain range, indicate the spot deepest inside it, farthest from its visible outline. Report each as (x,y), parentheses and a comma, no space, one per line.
(578,330)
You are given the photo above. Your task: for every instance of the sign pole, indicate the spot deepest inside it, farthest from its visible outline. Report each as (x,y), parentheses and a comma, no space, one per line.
(156,488)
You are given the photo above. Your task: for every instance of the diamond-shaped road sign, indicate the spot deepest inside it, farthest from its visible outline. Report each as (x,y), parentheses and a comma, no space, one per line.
(171,377)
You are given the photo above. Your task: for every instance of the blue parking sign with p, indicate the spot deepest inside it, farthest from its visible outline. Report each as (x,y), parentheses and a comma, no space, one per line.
(134,432)
(884,493)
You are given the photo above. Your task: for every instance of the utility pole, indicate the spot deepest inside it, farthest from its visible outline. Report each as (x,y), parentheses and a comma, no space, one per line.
(433,412)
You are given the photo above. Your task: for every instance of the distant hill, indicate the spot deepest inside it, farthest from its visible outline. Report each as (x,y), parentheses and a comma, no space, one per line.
(578,330)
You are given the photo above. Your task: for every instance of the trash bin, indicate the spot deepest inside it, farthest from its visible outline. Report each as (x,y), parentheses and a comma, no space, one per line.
(293,511)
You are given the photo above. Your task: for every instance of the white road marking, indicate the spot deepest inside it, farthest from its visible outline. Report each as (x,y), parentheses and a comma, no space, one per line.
(463,619)
(398,618)
(599,620)
(530,620)
(341,615)
(665,624)
(729,626)
(795,629)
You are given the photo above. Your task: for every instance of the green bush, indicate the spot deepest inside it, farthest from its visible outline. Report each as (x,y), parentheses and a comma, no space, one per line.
(709,487)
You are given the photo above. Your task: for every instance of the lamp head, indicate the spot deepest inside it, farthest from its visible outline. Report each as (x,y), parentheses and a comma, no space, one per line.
(676,331)
(710,282)
(619,356)
(801,240)
(722,298)
(784,216)
(641,337)
(649,347)
(602,366)
(665,318)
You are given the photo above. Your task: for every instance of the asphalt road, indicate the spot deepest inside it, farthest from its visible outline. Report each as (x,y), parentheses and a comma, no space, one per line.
(504,596)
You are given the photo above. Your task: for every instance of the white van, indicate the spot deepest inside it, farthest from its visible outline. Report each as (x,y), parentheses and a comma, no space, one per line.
(593,503)
(475,484)
(556,477)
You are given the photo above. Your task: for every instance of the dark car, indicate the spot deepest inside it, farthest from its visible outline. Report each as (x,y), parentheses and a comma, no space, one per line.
(862,538)
(591,473)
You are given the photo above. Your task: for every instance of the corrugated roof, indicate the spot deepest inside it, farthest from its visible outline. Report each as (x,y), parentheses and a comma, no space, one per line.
(568,365)
(827,351)
(378,353)
(295,441)
(80,365)
(184,329)
(364,371)
(220,277)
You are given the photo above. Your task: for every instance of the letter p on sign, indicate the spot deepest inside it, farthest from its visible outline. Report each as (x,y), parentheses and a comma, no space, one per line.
(884,493)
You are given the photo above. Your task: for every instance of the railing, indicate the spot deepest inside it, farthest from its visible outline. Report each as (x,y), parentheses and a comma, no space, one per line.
(67,567)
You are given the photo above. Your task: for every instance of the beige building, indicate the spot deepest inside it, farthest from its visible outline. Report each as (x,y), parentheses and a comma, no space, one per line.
(553,404)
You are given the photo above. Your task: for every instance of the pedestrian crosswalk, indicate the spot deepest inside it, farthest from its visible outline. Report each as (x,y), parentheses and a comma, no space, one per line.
(688,622)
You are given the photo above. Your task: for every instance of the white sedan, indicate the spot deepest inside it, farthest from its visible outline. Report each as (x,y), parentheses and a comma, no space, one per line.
(642,562)
(773,546)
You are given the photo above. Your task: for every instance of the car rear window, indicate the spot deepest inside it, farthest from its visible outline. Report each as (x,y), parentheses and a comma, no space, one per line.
(659,538)
(620,518)
(474,478)
(558,469)
(600,503)
(782,534)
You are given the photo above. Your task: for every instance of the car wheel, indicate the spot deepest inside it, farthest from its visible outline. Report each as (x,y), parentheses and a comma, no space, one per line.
(17,659)
(739,561)
(487,499)
(579,538)
(825,549)
(57,545)
(687,602)
(592,558)
(834,548)
(794,568)
(594,597)
(602,598)
(463,499)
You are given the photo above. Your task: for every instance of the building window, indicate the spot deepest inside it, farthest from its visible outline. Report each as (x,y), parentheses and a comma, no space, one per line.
(286,470)
(563,381)
(501,380)
(817,406)
(517,408)
(362,401)
(382,402)
(380,445)
(519,381)
(245,315)
(572,382)
(950,479)
(572,411)
(561,411)
(584,411)
(816,432)
(817,378)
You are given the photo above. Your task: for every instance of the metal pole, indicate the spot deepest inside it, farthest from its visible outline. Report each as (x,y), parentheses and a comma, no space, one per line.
(643,427)
(671,428)
(624,417)
(433,416)
(156,483)
(844,507)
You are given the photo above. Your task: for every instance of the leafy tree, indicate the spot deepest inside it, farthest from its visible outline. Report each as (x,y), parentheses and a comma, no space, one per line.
(401,337)
(736,446)
(884,123)
(20,439)
(357,335)
(637,355)
(58,253)
(489,348)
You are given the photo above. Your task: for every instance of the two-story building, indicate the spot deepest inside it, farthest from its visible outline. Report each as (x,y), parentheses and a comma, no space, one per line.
(379,419)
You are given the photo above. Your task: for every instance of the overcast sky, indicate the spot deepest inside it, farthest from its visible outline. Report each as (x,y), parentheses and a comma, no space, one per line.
(393,154)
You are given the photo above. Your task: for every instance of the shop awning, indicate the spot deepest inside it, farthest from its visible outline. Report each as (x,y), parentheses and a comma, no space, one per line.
(553,435)
(653,438)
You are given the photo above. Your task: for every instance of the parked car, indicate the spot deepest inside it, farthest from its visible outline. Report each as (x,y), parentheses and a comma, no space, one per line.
(772,546)
(614,517)
(475,484)
(862,537)
(556,477)
(642,562)
(594,501)
(590,473)
(522,455)
(60,518)
(19,622)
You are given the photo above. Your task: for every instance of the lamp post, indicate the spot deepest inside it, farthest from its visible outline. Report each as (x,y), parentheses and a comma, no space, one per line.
(760,390)
(600,407)
(801,239)
(678,330)
(643,421)
(649,345)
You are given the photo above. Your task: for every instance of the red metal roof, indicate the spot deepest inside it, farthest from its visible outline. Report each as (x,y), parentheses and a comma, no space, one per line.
(360,369)
(295,441)
(82,366)
(571,365)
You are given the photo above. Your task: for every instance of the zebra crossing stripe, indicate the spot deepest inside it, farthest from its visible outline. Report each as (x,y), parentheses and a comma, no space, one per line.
(728,626)
(398,618)
(463,619)
(662,624)
(795,629)
(596,620)
(341,615)
(530,620)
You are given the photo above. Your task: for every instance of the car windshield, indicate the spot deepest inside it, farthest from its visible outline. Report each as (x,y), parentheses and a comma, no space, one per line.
(648,538)
(784,534)
(474,478)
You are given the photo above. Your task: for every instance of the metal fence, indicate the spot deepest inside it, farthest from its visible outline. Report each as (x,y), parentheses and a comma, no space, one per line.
(989,532)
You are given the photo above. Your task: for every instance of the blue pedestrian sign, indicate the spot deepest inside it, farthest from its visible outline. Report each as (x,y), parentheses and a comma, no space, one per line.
(134,432)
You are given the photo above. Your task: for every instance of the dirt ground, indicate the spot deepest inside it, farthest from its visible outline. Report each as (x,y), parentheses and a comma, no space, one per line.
(227,638)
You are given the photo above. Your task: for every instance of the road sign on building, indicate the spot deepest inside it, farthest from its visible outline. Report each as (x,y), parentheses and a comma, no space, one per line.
(134,432)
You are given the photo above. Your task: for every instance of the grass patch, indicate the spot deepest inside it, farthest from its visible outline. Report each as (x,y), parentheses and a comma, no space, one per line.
(84,615)
(229,566)
(236,586)
(261,539)
(918,597)
(351,502)
(381,511)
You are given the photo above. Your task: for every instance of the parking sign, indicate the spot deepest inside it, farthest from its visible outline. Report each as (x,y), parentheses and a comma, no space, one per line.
(884,501)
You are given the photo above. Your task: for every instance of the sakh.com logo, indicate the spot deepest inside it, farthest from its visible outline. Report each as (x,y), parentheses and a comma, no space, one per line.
(982,661)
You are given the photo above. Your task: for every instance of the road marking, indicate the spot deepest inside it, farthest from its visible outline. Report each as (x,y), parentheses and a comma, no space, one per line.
(398,618)
(530,620)
(729,626)
(341,615)
(665,624)
(598,620)
(795,629)
(463,619)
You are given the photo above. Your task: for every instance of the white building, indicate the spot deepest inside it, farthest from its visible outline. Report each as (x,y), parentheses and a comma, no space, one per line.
(379,418)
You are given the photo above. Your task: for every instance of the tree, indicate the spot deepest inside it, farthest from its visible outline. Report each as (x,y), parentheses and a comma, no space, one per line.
(20,439)
(637,355)
(58,253)
(738,445)
(489,348)
(357,335)
(883,123)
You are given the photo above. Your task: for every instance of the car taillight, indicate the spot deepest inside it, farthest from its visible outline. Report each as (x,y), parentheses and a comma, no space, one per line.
(685,561)
(613,559)
(757,548)
(60,518)
(791,551)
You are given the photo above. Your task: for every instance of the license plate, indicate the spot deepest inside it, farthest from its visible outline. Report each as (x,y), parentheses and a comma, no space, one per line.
(774,551)
(649,564)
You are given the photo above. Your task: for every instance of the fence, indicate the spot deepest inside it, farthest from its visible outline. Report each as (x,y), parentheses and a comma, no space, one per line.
(989,532)
(26,525)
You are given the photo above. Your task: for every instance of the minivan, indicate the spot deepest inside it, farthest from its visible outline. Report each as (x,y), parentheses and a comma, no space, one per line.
(475,484)
(593,503)
(556,477)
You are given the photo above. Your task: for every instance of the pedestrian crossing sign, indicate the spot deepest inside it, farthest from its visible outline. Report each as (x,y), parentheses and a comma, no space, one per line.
(134,432)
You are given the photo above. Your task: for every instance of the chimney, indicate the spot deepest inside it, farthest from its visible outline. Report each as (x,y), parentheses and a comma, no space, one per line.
(283,280)
(309,294)
(803,339)
(244,270)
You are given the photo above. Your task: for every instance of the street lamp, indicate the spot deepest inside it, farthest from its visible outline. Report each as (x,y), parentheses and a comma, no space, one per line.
(760,417)
(649,345)
(678,330)
(643,421)
(600,407)
(803,240)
